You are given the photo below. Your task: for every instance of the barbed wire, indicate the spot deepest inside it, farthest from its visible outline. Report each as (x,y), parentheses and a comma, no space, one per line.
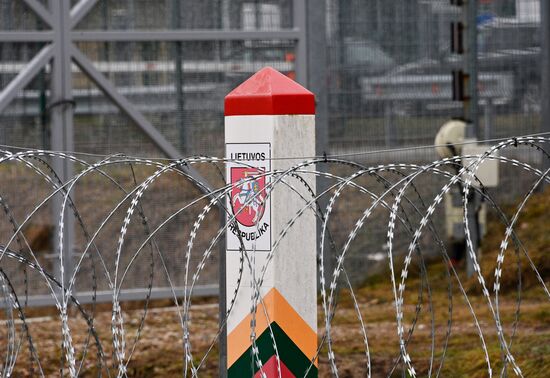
(128,237)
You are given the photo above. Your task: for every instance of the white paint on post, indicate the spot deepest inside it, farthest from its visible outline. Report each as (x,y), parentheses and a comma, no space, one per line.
(293,268)
(259,145)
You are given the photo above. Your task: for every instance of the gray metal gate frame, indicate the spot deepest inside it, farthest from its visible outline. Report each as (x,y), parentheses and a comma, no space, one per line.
(60,49)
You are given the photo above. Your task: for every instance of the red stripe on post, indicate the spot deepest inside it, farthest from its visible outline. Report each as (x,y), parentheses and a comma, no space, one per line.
(271,371)
(269,92)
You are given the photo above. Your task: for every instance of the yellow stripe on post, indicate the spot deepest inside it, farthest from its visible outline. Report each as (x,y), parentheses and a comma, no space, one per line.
(280,311)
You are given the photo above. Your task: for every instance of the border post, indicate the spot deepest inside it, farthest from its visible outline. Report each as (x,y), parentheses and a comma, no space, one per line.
(267,118)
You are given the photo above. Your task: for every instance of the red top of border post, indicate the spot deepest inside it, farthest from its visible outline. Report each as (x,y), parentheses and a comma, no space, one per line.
(269,92)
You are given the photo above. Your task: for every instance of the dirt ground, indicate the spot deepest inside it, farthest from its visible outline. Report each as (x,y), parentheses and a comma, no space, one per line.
(159,351)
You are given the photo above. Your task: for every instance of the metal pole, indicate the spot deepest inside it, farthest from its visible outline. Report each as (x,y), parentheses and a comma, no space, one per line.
(61,108)
(300,22)
(223,49)
(222,306)
(379,20)
(317,83)
(43,109)
(105,50)
(257,19)
(225,14)
(166,35)
(42,103)
(80,10)
(222,264)
(316,70)
(225,24)
(217,24)
(488,118)
(471,103)
(471,117)
(389,127)
(178,79)
(7,19)
(424,26)
(545,74)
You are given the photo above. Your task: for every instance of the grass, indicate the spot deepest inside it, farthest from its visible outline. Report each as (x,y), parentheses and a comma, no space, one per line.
(464,356)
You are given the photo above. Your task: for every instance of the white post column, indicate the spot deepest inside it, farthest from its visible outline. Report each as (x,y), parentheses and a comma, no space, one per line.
(269,117)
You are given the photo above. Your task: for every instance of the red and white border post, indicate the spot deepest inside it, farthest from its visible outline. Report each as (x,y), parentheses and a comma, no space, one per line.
(268,119)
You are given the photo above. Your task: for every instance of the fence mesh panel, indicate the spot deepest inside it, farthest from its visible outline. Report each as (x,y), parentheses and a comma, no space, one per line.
(390,68)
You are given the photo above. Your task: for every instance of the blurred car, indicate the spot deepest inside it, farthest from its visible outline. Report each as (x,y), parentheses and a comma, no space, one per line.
(357,58)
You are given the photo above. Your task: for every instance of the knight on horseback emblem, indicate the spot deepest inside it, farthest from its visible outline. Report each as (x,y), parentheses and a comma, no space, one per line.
(248,195)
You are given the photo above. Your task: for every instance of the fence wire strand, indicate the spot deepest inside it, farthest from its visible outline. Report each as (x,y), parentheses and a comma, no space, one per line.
(396,191)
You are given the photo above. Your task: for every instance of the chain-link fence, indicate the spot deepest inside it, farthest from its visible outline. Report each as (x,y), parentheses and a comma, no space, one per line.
(390,65)
(131,91)
(178,85)
(389,69)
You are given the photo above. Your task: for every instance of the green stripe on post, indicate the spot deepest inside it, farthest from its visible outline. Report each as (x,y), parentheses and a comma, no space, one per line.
(289,353)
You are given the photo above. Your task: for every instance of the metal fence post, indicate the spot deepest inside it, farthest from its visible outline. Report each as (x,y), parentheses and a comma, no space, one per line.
(471,116)
(317,83)
(62,131)
(222,300)
(489,118)
(178,80)
(389,124)
(300,23)
(545,75)
(471,102)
